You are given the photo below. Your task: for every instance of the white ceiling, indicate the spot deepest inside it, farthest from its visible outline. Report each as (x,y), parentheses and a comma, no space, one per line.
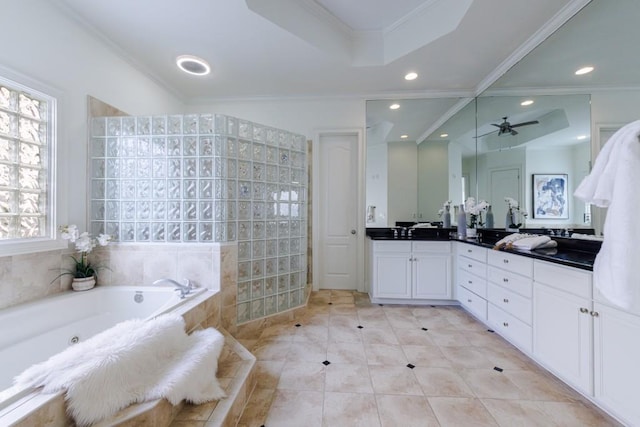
(309,48)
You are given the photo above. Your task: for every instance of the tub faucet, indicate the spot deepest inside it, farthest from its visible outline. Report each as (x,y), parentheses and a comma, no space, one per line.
(184,289)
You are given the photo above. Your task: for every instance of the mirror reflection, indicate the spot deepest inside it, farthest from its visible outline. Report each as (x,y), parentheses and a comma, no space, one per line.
(535,150)
(561,98)
(409,174)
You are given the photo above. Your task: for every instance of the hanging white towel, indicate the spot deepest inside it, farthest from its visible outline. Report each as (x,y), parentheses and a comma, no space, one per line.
(613,183)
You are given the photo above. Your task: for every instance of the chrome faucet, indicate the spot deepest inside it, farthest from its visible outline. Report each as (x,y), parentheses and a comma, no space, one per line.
(184,289)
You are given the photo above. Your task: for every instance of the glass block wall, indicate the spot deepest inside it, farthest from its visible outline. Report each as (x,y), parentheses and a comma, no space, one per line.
(208,178)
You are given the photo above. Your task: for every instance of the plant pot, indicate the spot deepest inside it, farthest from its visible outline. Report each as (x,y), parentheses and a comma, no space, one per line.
(472,233)
(83,283)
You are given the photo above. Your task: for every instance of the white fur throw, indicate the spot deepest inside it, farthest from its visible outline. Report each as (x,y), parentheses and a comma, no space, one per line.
(135,361)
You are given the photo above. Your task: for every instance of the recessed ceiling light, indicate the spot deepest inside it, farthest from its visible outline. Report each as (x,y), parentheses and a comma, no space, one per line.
(411,76)
(582,137)
(193,65)
(394,106)
(527,102)
(584,70)
(404,136)
(444,135)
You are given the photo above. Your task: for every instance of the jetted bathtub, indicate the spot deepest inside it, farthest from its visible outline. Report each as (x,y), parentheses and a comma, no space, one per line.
(37,330)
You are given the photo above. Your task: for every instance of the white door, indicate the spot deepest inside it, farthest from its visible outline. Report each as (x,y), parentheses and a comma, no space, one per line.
(503,183)
(337,211)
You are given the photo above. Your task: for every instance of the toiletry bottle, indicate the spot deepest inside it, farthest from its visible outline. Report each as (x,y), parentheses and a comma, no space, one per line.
(462,223)
(489,220)
(446,223)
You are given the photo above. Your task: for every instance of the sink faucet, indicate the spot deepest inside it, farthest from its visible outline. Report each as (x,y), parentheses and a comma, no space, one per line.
(184,289)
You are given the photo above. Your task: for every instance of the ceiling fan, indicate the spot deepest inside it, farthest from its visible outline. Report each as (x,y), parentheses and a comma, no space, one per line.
(505,127)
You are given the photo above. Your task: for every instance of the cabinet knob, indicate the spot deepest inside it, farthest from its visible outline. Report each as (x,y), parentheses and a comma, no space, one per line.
(469,300)
(505,324)
(506,261)
(470,282)
(469,250)
(411,259)
(469,265)
(505,280)
(595,314)
(506,300)
(583,310)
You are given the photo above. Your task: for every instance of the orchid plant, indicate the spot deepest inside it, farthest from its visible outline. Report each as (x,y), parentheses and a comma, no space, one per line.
(514,210)
(474,210)
(84,244)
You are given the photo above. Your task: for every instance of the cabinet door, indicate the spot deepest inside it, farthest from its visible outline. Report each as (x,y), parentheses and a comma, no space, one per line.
(562,335)
(392,275)
(432,276)
(617,353)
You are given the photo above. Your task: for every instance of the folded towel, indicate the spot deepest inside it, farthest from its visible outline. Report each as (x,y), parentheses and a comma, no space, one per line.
(586,237)
(424,225)
(531,243)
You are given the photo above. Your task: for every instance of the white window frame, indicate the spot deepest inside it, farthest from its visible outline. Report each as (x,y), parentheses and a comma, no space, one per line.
(17,81)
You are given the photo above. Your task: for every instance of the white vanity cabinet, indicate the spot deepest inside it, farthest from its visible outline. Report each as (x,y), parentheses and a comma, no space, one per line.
(563,323)
(410,270)
(616,358)
(509,293)
(471,279)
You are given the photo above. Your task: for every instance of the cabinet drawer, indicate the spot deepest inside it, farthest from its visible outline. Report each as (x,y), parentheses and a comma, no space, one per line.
(514,304)
(472,282)
(392,246)
(472,251)
(472,302)
(566,279)
(511,262)
(438,247)
(473,266)
(511,328)
(513,282)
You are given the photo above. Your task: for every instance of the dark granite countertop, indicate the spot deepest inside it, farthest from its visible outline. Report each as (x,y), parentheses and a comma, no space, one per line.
(570,252)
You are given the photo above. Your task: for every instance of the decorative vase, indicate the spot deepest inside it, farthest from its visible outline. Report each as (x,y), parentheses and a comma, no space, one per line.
(489,220)
(462,223)
(83,283)
(508,220)
(446,222)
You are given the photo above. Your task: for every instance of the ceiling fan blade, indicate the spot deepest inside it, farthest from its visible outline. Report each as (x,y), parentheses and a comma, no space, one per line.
(493,124)
(485,134)
(532,122)
(514,132)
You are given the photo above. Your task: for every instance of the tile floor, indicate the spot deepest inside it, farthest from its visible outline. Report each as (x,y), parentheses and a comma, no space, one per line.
(348,362)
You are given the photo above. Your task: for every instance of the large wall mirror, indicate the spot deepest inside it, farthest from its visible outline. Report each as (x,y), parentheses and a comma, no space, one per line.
(575,115)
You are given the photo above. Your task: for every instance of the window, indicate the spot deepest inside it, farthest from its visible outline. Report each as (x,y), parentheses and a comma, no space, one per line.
(27,153)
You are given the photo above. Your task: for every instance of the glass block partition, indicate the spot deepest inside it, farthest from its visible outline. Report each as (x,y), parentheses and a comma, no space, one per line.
(208,178)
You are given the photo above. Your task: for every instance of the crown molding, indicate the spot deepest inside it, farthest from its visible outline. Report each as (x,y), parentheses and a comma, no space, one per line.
(443,119)
(559,90)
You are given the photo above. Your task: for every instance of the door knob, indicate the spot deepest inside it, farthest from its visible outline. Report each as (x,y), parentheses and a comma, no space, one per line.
(353,231)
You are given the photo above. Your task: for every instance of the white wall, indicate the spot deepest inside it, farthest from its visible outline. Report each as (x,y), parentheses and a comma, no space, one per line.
(376,184)
(40,42)
(433,178)
(304,116)
(402,181)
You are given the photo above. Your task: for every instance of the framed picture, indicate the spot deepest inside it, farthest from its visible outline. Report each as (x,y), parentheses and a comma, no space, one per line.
(550,199)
